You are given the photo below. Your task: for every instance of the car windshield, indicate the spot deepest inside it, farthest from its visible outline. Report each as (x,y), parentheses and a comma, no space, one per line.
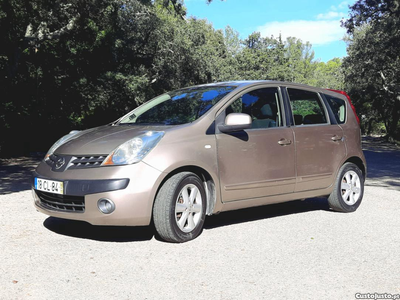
(177,107)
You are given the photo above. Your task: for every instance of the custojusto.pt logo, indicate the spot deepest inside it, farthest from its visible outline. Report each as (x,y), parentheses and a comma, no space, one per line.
(376,296)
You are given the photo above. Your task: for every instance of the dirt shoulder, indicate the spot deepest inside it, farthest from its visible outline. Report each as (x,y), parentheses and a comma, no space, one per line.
(383,163)
(16,173)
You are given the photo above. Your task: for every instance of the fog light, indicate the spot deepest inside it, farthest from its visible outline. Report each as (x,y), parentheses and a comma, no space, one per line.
(106,206)
(35,197)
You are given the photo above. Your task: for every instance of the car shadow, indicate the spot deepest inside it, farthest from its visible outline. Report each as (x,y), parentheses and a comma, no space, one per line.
(266,212)
(123,234)
(84,230)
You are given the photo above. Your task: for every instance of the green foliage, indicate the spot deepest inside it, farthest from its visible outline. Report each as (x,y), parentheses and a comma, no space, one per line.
(328,75)
(372,69)
(305,107)
(299,60)
(79,64)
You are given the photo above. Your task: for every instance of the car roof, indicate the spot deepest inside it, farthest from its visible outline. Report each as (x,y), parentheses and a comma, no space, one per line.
(241,84)
(244,83)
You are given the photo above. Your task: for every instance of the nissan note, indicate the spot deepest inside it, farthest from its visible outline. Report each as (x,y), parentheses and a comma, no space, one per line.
(206,149)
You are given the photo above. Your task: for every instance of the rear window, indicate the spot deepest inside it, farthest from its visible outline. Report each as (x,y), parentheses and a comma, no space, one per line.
(338,107)
(306,107)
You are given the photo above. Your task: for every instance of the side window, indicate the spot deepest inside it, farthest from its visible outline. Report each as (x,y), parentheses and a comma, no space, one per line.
(306,107)
(338,107)
(262,105)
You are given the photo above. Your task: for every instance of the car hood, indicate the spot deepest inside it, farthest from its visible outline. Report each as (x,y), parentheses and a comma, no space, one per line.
(102,140)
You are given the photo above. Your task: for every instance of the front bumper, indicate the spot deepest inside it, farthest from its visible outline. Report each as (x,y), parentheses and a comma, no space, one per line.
(131,188)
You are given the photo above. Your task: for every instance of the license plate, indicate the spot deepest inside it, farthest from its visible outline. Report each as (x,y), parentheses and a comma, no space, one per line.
(50,186)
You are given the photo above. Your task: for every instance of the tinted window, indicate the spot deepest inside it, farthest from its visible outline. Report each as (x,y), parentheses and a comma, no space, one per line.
(306,107)
(338,107)
(262,105)
(178,107)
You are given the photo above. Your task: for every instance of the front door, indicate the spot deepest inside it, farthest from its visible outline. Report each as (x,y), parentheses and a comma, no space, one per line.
(260,161)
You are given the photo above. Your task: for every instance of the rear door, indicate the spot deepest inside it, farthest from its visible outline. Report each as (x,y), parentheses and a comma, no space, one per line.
(320,147)
(260,161)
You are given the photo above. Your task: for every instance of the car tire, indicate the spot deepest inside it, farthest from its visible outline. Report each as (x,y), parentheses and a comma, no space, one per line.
(348,191)
(180,208)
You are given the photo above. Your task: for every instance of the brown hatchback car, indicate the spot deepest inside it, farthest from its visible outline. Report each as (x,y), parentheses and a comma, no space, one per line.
(203,150)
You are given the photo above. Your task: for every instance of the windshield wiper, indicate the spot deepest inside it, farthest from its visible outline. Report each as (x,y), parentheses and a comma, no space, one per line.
(143,124)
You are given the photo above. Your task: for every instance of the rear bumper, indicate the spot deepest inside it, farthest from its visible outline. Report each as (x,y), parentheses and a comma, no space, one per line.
(131,188)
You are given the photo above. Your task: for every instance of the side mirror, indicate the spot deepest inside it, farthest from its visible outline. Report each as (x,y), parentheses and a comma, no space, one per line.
(235,122)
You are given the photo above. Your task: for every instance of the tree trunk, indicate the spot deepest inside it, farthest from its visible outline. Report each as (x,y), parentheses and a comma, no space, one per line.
(395,117)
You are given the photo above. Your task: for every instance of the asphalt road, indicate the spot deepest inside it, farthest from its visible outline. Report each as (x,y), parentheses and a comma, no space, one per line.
(296,250)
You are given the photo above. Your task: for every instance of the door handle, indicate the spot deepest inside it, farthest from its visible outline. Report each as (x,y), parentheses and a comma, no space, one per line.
(284,142)
(336,138)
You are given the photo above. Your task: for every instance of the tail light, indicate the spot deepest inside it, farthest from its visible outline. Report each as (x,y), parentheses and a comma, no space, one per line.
(351,104)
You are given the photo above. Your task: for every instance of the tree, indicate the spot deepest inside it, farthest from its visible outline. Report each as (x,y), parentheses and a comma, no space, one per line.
(258,58)
(79,64)
(328,75)
(372,68)
(300,58)
(45,44)
(84,63)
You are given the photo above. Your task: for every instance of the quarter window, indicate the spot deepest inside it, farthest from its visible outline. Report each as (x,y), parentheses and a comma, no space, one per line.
(262,105)
(306,107)
(338,107)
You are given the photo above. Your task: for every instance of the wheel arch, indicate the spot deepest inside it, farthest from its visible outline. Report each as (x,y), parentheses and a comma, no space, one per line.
(205,177)
(359,163)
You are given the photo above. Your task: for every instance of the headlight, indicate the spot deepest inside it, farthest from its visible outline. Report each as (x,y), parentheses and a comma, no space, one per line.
(134,150)
(61,141)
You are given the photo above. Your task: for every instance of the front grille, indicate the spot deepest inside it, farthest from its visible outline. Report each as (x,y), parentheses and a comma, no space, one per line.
(82,162)
(62,202)
(60,163)
(51,160)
